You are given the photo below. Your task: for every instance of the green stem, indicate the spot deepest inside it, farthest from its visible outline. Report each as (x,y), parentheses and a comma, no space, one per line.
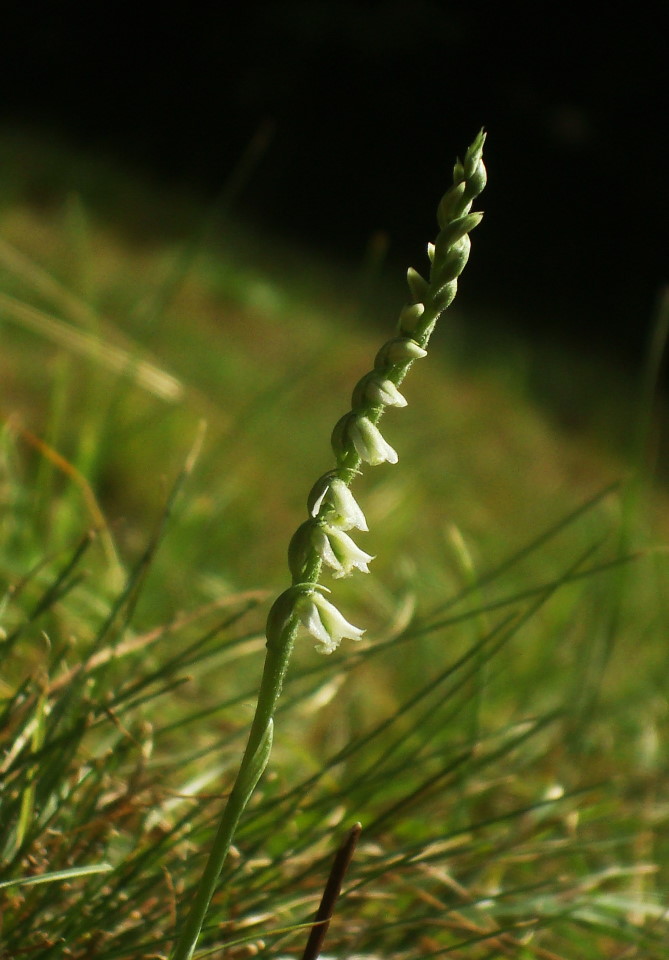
(252,765)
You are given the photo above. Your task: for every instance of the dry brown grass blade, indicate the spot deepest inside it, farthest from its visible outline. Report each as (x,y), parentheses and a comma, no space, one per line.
(331,893)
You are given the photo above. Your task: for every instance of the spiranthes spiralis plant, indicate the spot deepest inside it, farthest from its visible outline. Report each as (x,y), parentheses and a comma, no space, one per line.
(324,538)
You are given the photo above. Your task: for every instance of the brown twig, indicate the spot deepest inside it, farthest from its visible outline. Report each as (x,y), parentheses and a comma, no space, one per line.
(332,890)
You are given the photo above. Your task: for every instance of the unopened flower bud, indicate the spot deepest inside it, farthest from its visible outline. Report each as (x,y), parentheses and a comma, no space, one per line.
(451,262)
(417,285)
(409,317)
(398,350)
(476,183)
(474,154)
(452,205)
(455,230)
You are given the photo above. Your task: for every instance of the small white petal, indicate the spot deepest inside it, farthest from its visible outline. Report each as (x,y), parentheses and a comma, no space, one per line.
(316,506)
(348,555)
(323,547)
(319,492)
(327,647)
(369,443)
(312,621)
(335,624)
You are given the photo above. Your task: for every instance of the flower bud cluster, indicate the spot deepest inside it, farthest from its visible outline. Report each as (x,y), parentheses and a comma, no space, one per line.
(451,248)
(323,539)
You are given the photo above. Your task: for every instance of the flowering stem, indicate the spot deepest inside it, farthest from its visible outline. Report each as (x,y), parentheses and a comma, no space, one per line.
(251,767)
(323,538)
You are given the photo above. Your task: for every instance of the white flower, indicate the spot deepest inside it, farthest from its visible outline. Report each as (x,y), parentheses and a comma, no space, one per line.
(349,514)
(338,551)
(368,442)
(345,511)
(325,623)
(385,392)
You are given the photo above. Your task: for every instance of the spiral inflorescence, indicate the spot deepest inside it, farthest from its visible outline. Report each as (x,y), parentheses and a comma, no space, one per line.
(323,539)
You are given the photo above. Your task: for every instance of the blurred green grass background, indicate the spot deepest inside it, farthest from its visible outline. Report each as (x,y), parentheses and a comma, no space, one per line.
(130,313)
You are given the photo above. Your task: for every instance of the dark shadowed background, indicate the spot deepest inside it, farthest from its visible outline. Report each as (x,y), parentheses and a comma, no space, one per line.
(363,107)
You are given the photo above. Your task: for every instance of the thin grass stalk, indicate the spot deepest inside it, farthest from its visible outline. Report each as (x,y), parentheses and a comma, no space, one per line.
(643,457)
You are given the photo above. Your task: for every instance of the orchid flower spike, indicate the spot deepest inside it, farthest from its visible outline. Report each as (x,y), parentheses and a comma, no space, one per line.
(322,538)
